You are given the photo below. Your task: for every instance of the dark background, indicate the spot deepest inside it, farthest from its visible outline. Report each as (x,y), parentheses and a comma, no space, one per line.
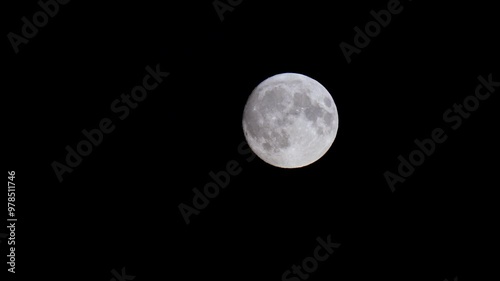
(119,208)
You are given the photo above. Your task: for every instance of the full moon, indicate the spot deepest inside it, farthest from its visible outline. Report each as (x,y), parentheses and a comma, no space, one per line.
(290,120)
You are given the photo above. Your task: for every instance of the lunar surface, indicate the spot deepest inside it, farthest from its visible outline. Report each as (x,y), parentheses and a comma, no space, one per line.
(290,120)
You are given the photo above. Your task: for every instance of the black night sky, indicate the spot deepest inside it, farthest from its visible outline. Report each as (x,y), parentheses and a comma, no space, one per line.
(427,75)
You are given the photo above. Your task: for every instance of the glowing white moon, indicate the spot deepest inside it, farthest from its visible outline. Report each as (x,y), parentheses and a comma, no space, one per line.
(290,120)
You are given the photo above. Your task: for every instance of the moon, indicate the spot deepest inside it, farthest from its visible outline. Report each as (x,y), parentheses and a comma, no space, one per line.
(290,120)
